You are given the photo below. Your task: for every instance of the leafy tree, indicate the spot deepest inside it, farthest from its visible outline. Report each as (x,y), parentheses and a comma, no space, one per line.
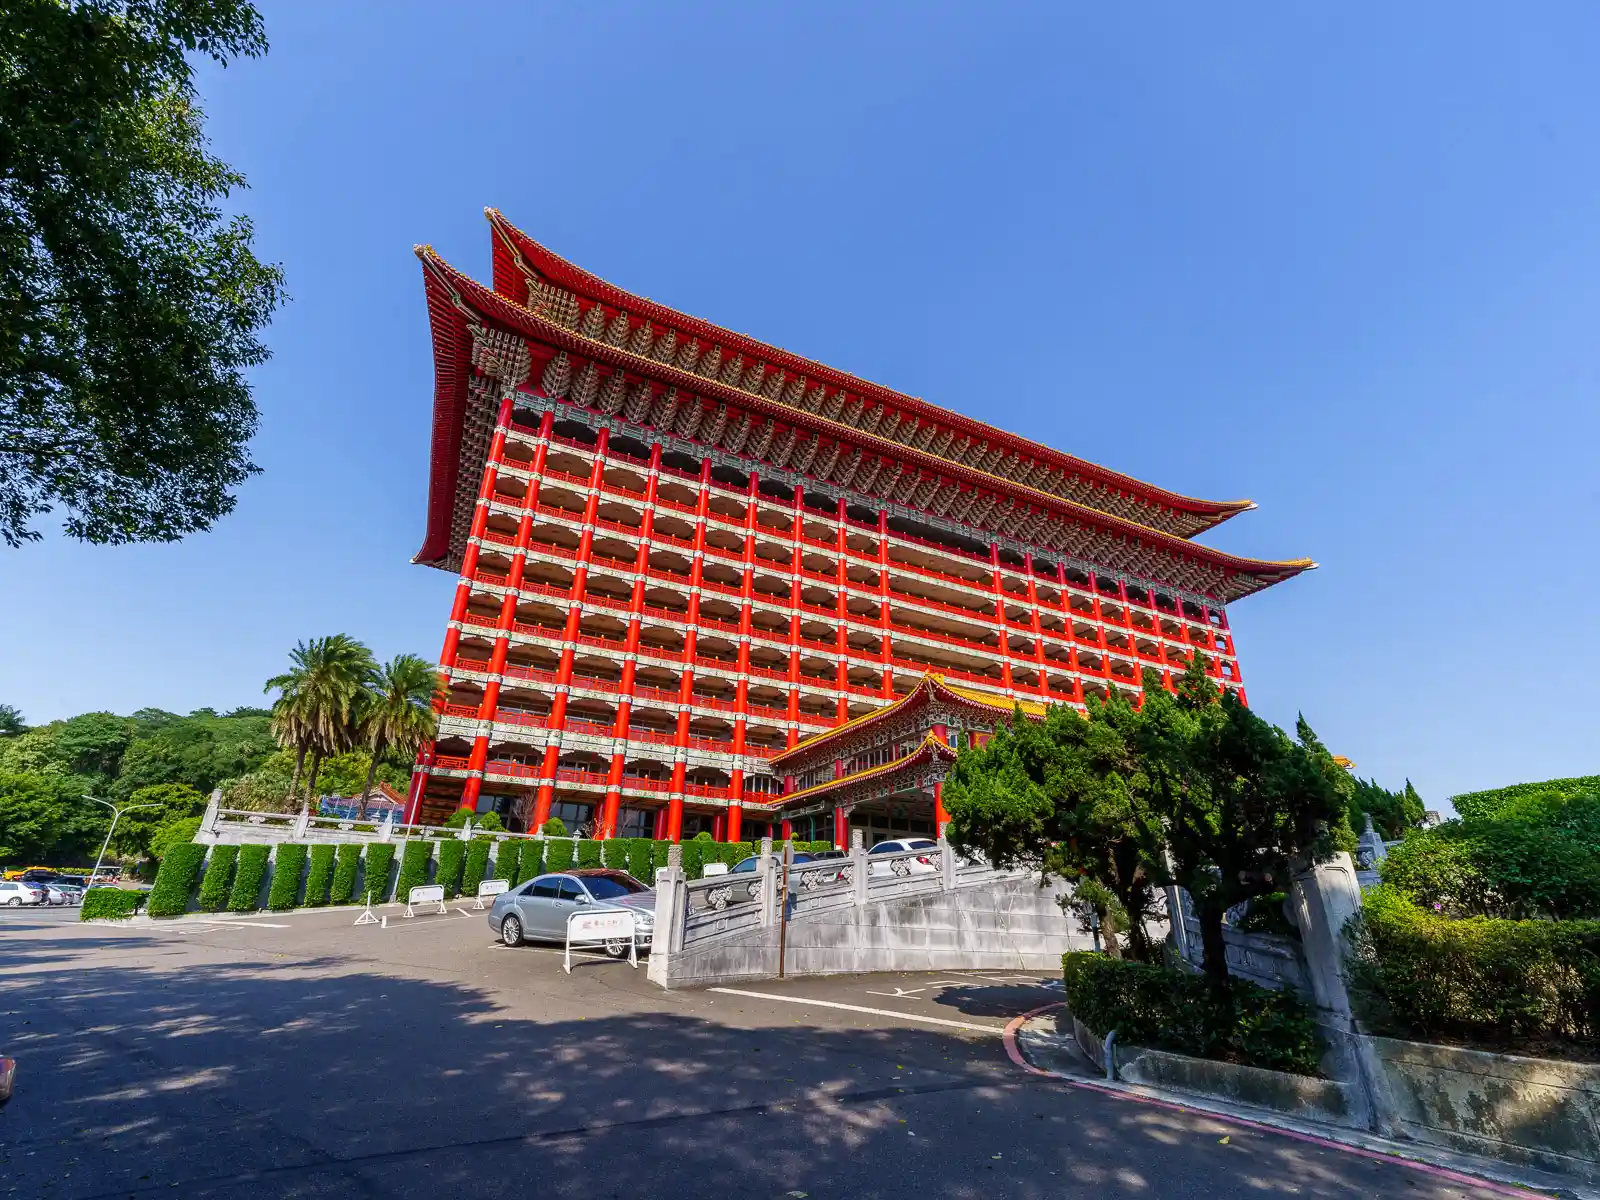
(173,801)
(174,832)
(11,722)
(31,818)
(1392,813)
(397,714)
(129,306)
(317,699)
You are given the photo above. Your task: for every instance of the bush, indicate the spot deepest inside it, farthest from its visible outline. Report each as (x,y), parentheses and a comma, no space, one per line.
(614,853)
(489,822)
(449,870)
(1174,1010)
(531,862)
(252,869)
(375,880)
(320,877)
(694,857)
(287,868)
(218,878)
(558,855)
(658,855)
(413,868)
(554,828)
(1478,980)
(176,879)
(347,861)
(589,852)
(476,866)
(641,860)
(1501,801)
(178,831)
(506,857)
(109,904)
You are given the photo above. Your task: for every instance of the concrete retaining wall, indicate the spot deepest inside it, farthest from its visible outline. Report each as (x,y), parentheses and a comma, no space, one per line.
(1534,1111)
(1298,1095)
(1009,924)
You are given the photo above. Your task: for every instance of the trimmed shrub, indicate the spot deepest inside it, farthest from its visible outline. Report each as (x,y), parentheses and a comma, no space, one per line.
(1174,1010)
(641,860)
(554,828)
(694,857)
(287,868)
(347,861)
(378,861)
(218,878)
(176,879)
(1532,985)
(109,904)
(451,854)
(506,857)
(320,877)
(658,856)
(413,868)
(614,853)
(532,861)
(245,895)
(557,855)
(476,865)
(589,852)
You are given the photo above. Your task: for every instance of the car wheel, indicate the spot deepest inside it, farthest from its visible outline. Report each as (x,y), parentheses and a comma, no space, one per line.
(511,931)
(15,902)
(617,947)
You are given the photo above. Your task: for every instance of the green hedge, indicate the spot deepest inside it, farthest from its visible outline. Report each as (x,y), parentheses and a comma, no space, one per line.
(507,856)
(346,863)
(658,854)
(589,853)
(413,868)
(320,877)
(176,879)
(375,878)
(558,855)
(109,904)
(246,894)
(1174,1010)
(476,866)
(694,857)
(1528,984)
(614,853)
(532,861)
(218,878)
(449,871)
(287,869)
(641,860)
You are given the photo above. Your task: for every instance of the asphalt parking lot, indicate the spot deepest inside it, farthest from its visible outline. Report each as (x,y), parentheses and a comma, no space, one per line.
(299,1055)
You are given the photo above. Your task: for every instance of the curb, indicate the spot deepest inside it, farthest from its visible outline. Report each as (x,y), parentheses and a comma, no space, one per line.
(1490,1175)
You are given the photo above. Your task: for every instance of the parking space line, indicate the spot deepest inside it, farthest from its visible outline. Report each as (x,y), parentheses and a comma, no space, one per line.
(859,1008)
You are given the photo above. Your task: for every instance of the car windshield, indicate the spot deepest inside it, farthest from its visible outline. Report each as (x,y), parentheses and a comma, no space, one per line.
(924,844)
(745,864)
(613,887)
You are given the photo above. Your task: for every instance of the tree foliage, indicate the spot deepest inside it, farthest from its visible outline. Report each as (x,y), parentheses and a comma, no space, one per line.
(129,305)
(1191,789)
(319,697)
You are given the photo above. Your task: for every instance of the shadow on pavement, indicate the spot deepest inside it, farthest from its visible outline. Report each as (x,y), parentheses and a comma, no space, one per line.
(324,1077)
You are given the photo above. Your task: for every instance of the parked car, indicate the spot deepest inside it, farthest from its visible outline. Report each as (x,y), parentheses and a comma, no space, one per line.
(921,857)
(737,891)
(39,875)
(538,910)
(63,893)
(14,893)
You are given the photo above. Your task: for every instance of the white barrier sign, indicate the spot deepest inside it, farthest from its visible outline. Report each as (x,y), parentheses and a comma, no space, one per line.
(428,893)
(597,928)
(490,887)
(713,869)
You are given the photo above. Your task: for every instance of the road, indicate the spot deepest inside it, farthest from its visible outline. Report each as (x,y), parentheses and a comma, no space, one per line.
(299,1056)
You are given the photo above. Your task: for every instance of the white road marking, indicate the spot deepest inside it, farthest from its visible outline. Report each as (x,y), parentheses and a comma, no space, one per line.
(235,924)
(876,1012)
(898,993)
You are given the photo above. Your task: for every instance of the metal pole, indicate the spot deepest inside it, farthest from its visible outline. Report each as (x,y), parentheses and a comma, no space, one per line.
(116,815)
(783,904)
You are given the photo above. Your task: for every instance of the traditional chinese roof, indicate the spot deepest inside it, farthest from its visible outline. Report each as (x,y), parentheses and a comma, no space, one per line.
(927,750)
(487,346)
(539,279)
(931,687)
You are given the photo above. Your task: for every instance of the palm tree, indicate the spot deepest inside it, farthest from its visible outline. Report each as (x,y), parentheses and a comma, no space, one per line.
(317,699)
(398,712)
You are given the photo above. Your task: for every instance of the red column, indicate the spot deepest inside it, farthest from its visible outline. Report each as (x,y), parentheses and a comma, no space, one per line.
(796,582)
(886,643)
(1038,629)
(613,801)
(741,716)
(940,817)
(686,684)
(1004,652)
(569,635)
(842,644)
(841,828)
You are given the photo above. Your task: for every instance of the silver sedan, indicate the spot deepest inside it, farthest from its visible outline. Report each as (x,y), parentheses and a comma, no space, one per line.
(538,910)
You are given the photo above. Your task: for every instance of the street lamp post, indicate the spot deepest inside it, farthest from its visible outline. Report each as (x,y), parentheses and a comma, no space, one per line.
(116,815)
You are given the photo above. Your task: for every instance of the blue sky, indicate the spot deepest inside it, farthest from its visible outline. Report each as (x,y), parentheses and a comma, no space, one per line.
(1344,263)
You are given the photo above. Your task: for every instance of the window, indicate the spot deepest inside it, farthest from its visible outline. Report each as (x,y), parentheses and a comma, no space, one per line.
(548,887)
(923,844)
(612,887)
(569,889)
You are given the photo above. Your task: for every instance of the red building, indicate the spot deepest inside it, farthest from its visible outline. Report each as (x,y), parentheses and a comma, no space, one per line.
(683,553)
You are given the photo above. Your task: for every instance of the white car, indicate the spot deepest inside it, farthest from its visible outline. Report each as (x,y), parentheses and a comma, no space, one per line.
(14,893)
(918,856)
(63,893)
